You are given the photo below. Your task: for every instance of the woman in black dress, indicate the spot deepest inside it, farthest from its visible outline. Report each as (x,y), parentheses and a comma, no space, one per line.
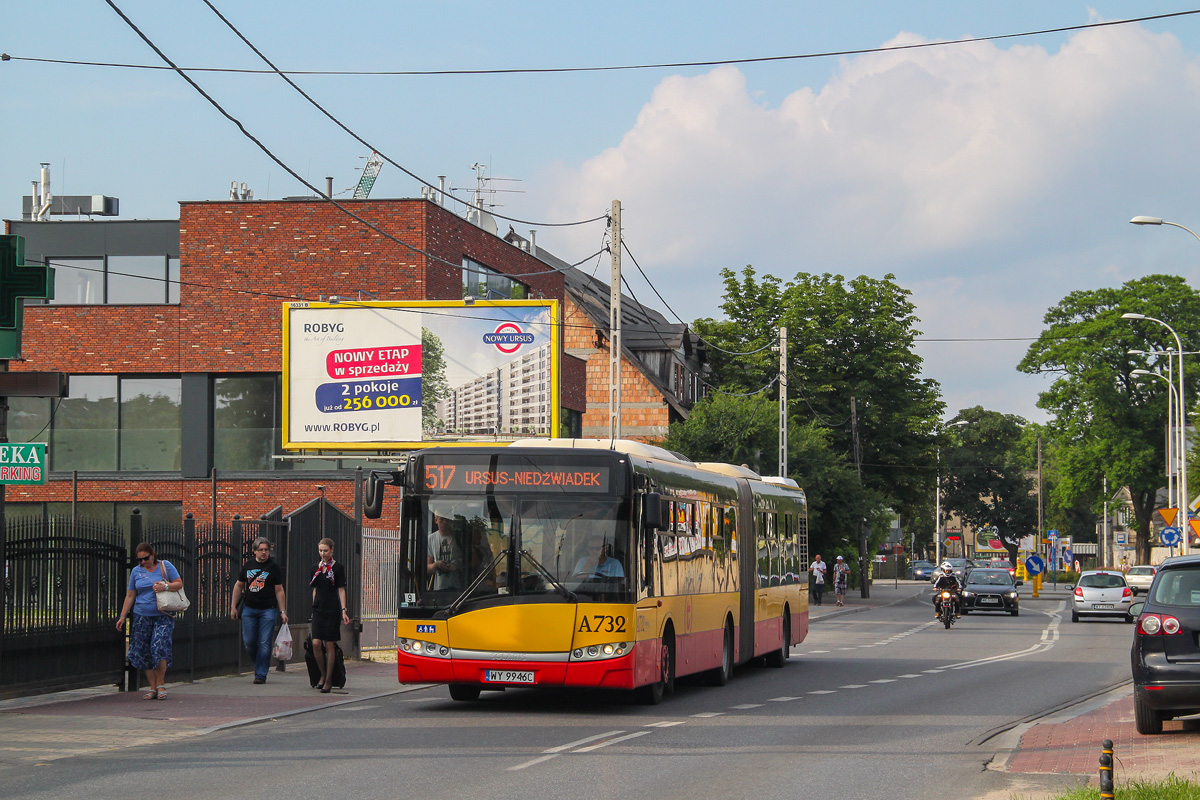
(329,610)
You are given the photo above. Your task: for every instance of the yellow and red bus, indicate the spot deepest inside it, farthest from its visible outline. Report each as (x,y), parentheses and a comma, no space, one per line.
(592,563)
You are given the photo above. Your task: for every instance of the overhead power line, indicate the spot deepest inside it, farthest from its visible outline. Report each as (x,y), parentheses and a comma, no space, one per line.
(627,67)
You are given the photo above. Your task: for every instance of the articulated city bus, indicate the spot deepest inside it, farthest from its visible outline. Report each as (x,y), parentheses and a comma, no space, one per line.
(597,563)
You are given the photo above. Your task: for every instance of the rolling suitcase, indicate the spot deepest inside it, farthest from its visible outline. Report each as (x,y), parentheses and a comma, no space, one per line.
(314,671)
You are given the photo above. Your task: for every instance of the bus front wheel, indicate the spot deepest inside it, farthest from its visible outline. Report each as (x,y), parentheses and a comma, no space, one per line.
(652,694)
(464,692)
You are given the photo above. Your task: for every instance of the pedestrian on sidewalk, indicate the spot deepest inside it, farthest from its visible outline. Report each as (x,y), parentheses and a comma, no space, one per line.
(259,587)
(328,584)
(841,570)
(151,632)
(818,568)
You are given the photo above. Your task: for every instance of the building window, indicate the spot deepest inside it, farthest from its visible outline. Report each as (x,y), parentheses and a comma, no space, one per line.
(150,420)
(244,422)
(83,435)
(487,284)
(116,280)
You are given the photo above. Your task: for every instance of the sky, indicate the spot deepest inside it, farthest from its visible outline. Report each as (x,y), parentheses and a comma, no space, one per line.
(990,178)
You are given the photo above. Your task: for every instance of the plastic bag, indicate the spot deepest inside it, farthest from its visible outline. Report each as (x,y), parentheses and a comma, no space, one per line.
(283,644)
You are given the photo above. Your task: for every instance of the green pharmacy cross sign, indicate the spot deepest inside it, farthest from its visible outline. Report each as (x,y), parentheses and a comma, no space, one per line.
(22,464)
(17,282)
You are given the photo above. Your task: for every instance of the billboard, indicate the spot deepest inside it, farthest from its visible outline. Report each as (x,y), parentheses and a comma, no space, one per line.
(367,375)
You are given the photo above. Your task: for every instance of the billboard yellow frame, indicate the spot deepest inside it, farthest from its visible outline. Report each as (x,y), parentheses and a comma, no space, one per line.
(555,324)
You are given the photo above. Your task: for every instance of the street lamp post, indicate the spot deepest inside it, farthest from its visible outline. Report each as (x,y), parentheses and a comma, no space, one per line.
(1184,507)
(1172,405)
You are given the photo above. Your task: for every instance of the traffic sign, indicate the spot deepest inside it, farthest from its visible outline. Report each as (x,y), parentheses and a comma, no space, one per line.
(1170,537)
(1120,537)
(1035,565)
(1052,534)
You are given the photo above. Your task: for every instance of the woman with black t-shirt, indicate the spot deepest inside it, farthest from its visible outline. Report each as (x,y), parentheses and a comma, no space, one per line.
(329,610)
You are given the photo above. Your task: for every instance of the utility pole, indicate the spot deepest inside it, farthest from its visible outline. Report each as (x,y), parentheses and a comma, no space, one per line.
(783,400)
(1104,556)
(1037,546)
(614,328)
(863,564)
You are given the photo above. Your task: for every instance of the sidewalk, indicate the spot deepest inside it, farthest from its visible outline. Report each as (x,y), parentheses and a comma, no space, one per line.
(35,730)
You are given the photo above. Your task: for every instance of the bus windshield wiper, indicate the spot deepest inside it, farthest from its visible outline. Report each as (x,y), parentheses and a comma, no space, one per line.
(567,593)
(480,578)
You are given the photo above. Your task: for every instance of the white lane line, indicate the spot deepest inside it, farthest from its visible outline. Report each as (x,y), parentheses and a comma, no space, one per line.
(1037,648)
(578,742)
(845,648)
(864,646)
(782,699)
(885,680)
(818,651)
(933,671)
(667,723)
(824,691)
(854,686)
(624,738)
(534,761)
(707,714)
(745,706)
(908,676)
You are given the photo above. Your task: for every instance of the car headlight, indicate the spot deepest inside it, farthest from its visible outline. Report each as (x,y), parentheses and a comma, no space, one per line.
(968,594)
(600,652)
(1012,595)
(428,649)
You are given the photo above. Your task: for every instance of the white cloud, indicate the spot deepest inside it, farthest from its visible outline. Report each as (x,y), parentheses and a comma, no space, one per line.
(995,179)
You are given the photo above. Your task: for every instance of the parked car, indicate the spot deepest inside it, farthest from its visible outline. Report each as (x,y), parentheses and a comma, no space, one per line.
(921,570)
(1101,593)
(1166,646)
(990,590)
(1139,578)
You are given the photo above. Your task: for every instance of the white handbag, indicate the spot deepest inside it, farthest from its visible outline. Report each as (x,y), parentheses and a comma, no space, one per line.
(170,602)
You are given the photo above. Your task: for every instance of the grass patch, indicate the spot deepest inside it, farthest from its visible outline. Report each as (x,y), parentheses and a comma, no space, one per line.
(1170,788)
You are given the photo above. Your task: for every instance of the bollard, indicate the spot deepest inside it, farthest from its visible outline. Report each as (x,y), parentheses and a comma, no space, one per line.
(1106,771)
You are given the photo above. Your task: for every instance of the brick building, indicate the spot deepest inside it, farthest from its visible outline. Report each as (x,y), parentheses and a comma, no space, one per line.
(171,333)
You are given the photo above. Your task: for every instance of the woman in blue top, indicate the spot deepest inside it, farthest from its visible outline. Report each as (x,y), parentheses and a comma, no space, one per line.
(150,637)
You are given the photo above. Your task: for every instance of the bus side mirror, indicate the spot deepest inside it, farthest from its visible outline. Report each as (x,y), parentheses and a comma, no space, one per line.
(653,510)
(373,491)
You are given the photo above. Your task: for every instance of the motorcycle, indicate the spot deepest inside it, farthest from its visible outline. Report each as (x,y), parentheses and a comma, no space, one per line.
(945,607)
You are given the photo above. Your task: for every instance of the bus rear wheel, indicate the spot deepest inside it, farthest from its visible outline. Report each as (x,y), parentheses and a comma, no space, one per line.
(652,694)
(779,657)
(464,692)
(719,676)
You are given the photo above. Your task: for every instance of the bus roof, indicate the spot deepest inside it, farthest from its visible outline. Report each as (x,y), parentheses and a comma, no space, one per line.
(626,446)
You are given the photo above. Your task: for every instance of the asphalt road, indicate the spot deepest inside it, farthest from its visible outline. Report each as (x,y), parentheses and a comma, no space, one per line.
(881,703)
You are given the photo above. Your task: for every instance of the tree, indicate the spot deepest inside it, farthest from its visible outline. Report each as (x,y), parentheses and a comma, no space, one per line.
(434,387)
(988,480)
(1106,421)
(847,340)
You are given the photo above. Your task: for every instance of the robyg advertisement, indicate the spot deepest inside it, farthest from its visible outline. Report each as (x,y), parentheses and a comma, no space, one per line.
(365,375)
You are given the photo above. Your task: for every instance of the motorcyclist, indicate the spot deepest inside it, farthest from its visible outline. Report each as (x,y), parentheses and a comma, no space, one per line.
(949,582)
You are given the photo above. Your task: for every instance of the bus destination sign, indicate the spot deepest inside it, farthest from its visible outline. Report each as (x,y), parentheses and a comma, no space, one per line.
(476,477)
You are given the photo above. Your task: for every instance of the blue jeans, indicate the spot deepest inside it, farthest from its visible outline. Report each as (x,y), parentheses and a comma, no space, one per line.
(258,628)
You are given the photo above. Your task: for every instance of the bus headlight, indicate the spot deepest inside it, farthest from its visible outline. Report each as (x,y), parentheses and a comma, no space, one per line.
(600,652)
(428,649)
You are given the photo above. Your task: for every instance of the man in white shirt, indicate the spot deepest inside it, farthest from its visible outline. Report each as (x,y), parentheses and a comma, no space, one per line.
(817,568)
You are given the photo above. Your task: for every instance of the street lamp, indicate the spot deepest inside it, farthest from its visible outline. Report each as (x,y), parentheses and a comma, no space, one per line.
(937,497)
(1172,405)
(1184,507)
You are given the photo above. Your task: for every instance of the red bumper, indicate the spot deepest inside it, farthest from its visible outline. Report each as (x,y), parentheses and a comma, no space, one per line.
(613,673)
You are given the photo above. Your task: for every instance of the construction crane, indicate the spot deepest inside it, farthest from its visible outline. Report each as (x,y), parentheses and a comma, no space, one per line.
(369,174)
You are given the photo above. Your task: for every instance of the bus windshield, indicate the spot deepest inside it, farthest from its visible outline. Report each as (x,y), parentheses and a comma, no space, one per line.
(478,548)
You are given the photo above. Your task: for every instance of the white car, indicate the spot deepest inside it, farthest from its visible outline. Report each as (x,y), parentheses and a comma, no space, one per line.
(1139,578)
(1101,593)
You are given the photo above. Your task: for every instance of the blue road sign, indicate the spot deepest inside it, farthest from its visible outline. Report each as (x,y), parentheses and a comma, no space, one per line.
(1170,537)
(1051,534)
(1035,565)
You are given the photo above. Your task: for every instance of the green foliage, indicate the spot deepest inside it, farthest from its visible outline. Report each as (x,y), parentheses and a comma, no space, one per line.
(846,339)
(1170,788)
(434,386)
(1106,420)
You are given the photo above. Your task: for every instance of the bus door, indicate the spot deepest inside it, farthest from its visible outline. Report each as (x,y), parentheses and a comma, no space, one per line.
(747,570)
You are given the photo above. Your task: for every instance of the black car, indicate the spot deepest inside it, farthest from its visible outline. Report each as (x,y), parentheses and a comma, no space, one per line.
(1166,646)
(990,590)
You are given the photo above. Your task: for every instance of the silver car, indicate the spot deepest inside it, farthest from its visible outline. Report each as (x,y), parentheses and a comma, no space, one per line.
(1101,593)
(1139,578)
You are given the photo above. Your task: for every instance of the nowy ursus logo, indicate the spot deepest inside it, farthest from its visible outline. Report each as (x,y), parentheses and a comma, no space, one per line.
(508,337)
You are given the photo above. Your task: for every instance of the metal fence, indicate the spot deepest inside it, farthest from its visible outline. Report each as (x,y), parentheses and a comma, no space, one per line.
(380,583)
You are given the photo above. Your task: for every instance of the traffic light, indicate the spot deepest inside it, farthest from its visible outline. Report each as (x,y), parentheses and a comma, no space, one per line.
(17,282)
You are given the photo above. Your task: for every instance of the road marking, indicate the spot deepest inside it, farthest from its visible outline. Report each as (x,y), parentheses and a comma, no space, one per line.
(744,706)
(855,686)
(933,671)
(534,761)
(707,714)
(885,680)
(669,723)
(782,699)
(578,742)
(818,651)
(624,738)
(824,691)
(908,676)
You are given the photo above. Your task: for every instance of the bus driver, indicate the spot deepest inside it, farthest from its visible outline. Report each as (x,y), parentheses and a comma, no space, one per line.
(598,563)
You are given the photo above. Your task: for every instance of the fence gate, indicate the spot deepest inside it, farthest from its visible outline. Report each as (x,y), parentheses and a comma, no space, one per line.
(64,582)
(380,584)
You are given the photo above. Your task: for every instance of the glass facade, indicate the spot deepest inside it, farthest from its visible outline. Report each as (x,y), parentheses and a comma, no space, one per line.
(116,280)
(149,424)
(487,284)
(245,426)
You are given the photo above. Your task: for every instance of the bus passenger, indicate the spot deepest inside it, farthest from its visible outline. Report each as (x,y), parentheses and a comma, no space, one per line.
(445,561)
(598,563)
